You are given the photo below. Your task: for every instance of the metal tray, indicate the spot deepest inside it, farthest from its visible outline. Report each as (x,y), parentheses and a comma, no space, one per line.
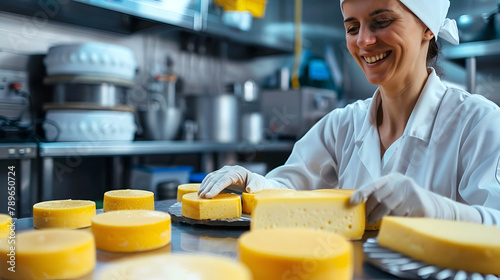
(176,209)
(405,267)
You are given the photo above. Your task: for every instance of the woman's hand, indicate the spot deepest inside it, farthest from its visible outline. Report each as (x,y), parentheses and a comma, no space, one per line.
(234,176)
(398,195)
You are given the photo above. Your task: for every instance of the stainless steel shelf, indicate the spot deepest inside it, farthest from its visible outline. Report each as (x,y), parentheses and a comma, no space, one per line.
(88,149)
(473,49)
(18,150)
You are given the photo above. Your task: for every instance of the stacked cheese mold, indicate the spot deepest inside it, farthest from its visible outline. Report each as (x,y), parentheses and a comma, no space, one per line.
(128,200)
(185,189)
(248,199)
(448,244)
(326,211)
(5,223)
(296,254)
(177,266)
(48,254)
(222,206)
(131,230)
(63,214)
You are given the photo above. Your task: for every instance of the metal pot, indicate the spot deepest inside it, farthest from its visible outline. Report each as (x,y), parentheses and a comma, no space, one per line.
(101,94)
(158,120)
(476,27)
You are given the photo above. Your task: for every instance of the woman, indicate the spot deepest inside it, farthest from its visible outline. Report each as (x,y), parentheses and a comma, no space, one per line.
(416,148)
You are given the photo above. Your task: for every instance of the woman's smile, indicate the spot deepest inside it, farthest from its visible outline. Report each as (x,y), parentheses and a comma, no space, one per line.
(372,59)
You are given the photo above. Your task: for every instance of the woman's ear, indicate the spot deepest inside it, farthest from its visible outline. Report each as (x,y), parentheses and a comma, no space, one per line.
(428,35)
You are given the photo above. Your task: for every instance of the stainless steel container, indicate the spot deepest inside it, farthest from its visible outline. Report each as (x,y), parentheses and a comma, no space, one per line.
(101,94)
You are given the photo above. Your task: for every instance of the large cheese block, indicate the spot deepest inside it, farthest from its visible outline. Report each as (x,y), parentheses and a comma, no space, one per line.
(131,230)
(48,254)
(374,226)
(326,211)
(5,225)
(63,213)
(449,244)
(296,254)
(222,206)
(186,188)
(128,200)
(177,266)
(248,199)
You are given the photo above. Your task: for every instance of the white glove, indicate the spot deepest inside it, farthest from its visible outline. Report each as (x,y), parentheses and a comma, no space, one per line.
(398,195)
(235,177)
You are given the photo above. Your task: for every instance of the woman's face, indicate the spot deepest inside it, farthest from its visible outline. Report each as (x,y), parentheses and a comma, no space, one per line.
(386,39)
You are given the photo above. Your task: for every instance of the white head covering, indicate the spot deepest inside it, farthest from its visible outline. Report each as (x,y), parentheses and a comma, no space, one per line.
(433,14)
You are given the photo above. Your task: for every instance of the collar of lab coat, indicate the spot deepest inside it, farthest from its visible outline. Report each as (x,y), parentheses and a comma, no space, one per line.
(421,119)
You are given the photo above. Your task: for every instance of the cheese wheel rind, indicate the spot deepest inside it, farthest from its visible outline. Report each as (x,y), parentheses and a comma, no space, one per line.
(49,254)
(222,206)
(185,189)
(450,244)
(277,254)
(128,200)
(248,200)
(67,213)
(131,230)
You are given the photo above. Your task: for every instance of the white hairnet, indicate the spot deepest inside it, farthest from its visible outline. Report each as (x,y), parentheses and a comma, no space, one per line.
(433,14)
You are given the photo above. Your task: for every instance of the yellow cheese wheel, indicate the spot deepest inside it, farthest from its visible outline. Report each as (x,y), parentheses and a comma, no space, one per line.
(63,213)
(248,199)
(450,244)
(48,254)
(296,254)
(310,209)
(177,266)
(128,200)
(131,230)
(223,206)
(5,225)
(186,188)
(374,226)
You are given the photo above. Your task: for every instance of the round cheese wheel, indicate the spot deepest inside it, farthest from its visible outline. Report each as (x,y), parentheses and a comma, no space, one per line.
(186,188)
(48,254)
(222,206)
(177,266)
(296,254)
(248,199)
(131,230)
(63,213)
(128,200)
(5,222)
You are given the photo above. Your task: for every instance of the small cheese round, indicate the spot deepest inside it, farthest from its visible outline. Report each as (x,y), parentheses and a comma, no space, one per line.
(185,189)
(63,214)
(131,230)
(296,254)
(128,200)
(248,199)
(5,222)
(222,206)
(48,254)
(177,266)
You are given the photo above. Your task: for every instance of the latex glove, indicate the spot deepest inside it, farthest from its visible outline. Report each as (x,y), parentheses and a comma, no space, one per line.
(398,195)
(232,176)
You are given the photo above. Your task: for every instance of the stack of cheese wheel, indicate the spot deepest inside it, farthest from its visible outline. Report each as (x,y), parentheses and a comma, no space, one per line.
(63,214)
(48,254)
(374,226)
(128,200)
(131,230)
(448,244)
(5,223)
(177,266)
(185,189)
(248,199)
(328,211)
(296,254)
(222,206)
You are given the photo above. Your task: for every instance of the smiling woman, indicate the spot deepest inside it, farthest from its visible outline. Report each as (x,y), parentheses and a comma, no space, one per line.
(417,147)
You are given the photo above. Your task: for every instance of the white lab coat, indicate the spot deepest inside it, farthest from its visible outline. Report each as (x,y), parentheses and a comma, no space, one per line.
(451,146)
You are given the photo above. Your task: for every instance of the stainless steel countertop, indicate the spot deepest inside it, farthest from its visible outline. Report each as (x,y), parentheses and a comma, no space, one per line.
(209,240)
(118,148)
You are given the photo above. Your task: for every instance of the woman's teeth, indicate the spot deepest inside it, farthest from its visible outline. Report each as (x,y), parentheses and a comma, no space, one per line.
(373,59)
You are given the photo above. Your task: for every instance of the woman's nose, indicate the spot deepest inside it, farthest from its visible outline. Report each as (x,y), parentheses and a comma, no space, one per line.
(366,37)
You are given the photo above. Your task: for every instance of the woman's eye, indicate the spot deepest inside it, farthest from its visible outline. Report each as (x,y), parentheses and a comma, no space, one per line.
(352,29)
(381,23)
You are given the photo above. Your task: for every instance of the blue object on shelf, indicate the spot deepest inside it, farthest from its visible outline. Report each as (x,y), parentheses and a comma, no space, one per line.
(197,177)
